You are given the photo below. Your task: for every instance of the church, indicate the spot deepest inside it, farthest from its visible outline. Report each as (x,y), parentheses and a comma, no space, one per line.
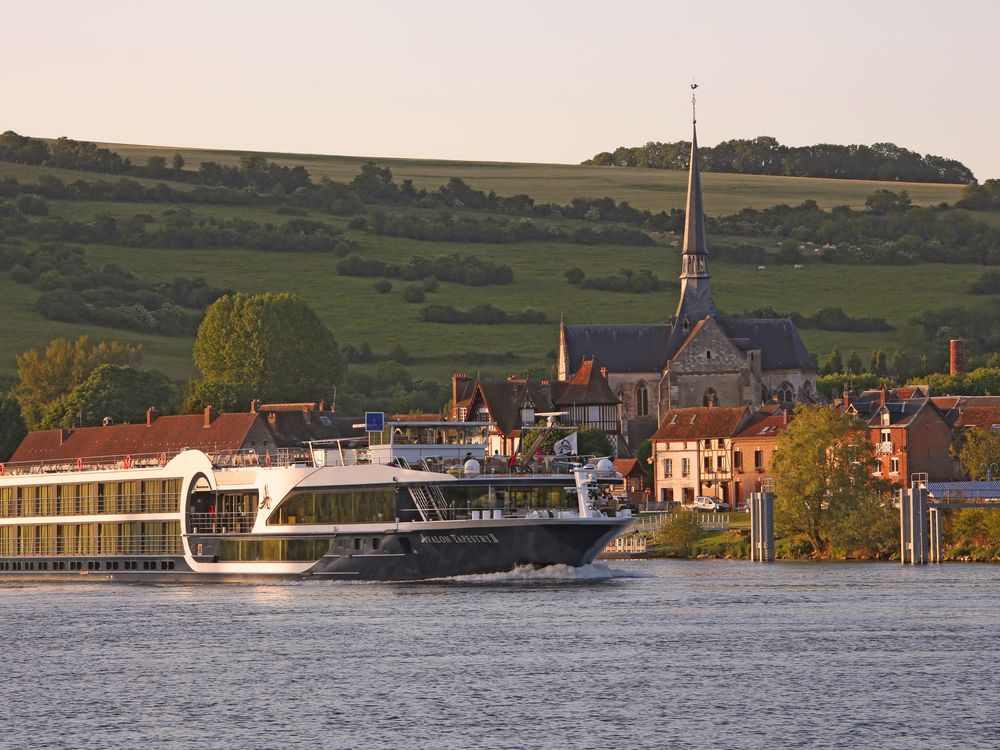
(699,357)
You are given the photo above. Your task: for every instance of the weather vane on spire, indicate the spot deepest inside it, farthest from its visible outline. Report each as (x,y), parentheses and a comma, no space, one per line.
(694,119)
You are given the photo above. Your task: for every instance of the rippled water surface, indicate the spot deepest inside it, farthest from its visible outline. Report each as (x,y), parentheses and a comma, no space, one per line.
(661,654)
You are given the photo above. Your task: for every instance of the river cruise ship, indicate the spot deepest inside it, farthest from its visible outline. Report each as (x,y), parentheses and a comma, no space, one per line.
(418,501)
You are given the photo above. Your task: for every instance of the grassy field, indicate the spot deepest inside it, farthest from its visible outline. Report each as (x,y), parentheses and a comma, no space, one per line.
(356,313)
(652,189)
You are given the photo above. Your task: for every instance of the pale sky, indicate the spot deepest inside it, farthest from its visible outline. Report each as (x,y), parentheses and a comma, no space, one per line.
(503,81)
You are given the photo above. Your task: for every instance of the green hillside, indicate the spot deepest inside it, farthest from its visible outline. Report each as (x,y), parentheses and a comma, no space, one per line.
(357,313)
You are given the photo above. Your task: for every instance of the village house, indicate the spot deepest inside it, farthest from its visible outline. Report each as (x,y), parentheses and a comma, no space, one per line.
(911,432)
(754,448)
(693,453)
(513,405)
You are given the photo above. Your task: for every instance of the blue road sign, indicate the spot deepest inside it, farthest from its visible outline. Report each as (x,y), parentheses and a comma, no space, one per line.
(374,421)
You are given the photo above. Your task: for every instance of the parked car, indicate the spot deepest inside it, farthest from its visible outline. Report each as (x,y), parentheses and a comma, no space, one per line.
(712,504)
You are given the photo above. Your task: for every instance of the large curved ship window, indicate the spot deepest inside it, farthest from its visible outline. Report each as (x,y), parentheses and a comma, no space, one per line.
(537,497)
(459,498)
(272,550)
(337,506)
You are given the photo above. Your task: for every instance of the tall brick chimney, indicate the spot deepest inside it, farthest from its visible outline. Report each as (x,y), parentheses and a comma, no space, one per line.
(151,415)
(210,415)
(847,398)
(956,350)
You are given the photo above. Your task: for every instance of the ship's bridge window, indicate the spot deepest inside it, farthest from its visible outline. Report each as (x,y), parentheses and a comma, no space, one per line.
(369,505)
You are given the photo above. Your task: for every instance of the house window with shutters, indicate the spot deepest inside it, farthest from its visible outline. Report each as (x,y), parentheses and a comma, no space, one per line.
(668,467)
(685,467)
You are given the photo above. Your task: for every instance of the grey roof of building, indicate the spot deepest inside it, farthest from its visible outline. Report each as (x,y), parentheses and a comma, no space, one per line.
(781,347)
(977,490)
(620,348)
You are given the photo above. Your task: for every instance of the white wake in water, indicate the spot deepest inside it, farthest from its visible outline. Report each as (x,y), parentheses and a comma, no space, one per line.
(527,573)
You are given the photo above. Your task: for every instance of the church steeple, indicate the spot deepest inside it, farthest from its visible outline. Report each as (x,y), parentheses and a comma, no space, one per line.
(696,294)
(695,302)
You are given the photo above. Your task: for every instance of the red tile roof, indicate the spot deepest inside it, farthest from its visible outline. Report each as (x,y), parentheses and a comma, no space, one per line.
(165,434)
(625,466)
(764,425)
(983,417)
(701,422)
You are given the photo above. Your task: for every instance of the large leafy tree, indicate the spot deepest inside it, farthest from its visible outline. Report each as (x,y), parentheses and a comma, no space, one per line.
(12,427)
(823,482)
(980,454)
(45,377)
(116,391)
(271,344)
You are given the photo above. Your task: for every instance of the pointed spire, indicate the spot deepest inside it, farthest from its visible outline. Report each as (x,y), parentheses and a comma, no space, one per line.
(695,241)
(695,302)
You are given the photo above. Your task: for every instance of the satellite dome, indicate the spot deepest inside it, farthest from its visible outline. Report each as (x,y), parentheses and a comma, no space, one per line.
(471,467)
(605,464)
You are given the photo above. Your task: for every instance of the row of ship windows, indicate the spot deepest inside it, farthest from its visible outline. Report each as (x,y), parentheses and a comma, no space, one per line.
(91,498)
(290,550)
(122,538)
(87,565)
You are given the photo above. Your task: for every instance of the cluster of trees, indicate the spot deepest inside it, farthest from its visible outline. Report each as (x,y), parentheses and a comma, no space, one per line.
(626,280)
(80,382)
(467,269)
(182,229)
(123,190)
(64,153)
(765,155)
(74,291)
(253,171)
(825,319)
(375,184)
(448,227)
(484,314)
(889,231)
(985,197)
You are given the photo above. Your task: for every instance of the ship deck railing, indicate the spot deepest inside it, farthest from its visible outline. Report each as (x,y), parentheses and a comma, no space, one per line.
(225,459)
(485,514)
(220,523)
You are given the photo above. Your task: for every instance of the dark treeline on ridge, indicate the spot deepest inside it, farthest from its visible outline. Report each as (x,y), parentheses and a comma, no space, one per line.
(764,155)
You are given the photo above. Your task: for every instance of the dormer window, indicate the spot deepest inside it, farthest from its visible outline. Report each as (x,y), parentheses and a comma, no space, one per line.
(885,417)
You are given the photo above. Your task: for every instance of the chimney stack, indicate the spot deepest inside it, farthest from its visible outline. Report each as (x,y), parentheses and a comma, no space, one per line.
(151,415)
(210,415)
(255,406)
(956,350)
(883,394)
(64,434)
(847,398)
(784,417)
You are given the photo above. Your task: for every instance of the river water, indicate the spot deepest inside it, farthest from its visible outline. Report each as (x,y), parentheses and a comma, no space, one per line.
(657,654)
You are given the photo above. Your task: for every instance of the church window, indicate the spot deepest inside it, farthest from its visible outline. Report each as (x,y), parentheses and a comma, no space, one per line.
(807,390)
(786,393)
(701,264)
(686,324)
(641,400)
(711,398)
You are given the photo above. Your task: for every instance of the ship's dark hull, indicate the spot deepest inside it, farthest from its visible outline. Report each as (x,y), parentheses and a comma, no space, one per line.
(487,547)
